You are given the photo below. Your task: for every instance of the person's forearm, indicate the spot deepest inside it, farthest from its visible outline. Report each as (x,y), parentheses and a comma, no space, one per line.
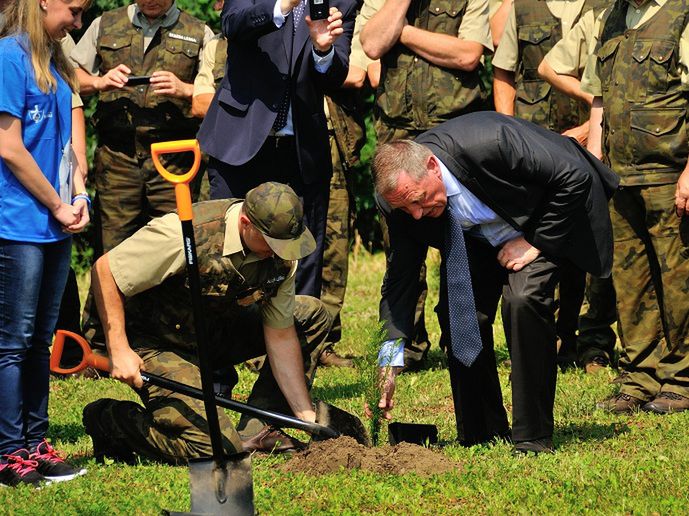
(79,141)
(383,30)
(200,104)
(110,303)
(595,140)
(498,21)
(87,82)
(504,92)
(287,364)
(570,86)
(22,164)
(442,49)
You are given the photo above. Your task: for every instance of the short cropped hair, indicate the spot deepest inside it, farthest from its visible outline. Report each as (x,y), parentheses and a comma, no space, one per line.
(395,157)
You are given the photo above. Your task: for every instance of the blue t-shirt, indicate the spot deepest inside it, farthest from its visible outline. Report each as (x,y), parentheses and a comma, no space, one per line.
(46,127)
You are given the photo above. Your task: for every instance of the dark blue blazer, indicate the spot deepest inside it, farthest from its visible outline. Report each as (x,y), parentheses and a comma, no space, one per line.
(262,61)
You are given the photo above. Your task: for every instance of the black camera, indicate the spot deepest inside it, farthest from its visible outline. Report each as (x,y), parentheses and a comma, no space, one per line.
(137,80)
(320,9)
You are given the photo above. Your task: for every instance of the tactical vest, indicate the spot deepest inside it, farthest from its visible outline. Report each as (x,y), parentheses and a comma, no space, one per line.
(537,32)
(345,108)
(220,61)
(645,104)
(162,316)
(415,94)
(136,112)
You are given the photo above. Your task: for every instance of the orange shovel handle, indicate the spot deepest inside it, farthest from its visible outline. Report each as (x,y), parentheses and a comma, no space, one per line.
(181,181)
(89,358)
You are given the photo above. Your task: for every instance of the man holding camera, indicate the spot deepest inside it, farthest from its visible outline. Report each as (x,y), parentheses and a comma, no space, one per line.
(266,121)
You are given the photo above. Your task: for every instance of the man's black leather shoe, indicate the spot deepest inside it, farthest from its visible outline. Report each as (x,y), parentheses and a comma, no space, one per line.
(536,446)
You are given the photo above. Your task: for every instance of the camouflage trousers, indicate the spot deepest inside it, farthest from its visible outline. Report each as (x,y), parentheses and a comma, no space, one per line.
(171,427)
(598,313)
(337,243)
(651,277)
(130,192)
(416,348)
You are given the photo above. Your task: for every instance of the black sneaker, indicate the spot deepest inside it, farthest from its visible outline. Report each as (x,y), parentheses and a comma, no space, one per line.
(16,468)
(51,465)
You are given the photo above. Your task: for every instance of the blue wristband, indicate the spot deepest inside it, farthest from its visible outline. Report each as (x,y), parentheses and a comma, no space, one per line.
(82,196)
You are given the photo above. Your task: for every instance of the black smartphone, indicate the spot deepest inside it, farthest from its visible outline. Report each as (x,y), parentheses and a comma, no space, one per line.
(319,9)
(137,80)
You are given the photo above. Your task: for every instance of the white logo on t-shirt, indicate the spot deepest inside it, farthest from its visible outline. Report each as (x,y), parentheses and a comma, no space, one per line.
(38,115)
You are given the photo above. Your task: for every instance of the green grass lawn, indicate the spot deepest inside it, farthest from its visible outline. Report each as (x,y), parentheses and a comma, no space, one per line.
(604,464)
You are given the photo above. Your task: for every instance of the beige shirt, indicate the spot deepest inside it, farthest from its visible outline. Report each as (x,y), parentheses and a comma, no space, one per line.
(85,54)
(67,44)
(507,54)
(569,55)
(357,56)
(636,15)
(474,27)
(157,253)
(204,82)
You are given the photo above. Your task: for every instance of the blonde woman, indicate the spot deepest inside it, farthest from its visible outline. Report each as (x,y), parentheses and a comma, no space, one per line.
(42,201)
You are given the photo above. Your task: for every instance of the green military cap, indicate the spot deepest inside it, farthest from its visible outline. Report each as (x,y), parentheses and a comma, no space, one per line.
(276,211)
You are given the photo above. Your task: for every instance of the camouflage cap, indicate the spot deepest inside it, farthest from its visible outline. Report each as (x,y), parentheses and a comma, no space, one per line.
(276,211)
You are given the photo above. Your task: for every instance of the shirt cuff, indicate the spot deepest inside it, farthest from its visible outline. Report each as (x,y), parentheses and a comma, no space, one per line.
(278,17)
(322,63)
(391,353)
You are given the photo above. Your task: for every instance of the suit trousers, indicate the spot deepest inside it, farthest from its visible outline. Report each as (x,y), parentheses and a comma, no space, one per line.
(528,314)
(277,161)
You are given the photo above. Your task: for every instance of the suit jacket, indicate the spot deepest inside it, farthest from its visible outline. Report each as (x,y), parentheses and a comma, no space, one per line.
(541,183)
(262,61)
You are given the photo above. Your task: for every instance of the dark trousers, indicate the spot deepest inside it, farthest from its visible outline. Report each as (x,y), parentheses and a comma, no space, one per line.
(528,314)
(277,161)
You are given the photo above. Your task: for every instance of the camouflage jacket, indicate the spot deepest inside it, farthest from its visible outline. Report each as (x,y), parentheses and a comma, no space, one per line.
(136,111)
(644,102)
(162,316)
(538,31)
(415,94)
(347,118)
(220,61)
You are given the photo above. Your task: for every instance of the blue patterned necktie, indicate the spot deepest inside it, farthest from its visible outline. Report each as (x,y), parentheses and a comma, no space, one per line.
(281,119)
(465,336)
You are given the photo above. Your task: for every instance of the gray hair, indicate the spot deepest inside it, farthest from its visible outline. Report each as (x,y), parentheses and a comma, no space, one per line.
(395,157)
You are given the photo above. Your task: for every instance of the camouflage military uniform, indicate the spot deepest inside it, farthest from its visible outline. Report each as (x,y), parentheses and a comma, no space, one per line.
(415,95)
(532,30)
(596,337)
(129,191)
(347,137)
(639,70)
(241,293)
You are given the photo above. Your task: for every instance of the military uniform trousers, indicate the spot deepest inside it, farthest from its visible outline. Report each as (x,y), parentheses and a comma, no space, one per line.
(651,276)
(416,348)
(130,192)
(172,427)
(337,244)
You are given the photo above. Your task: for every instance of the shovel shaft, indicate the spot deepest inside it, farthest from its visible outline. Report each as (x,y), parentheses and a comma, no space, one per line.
(280,420)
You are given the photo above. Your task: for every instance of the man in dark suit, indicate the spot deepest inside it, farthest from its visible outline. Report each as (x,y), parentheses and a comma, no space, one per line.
(525,201)
(266,121)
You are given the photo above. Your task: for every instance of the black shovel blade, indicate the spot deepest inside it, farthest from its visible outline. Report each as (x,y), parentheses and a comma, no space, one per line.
(341,421)
(227,490)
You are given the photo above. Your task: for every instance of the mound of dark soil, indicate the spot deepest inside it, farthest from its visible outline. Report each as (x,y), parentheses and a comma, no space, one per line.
(330,456)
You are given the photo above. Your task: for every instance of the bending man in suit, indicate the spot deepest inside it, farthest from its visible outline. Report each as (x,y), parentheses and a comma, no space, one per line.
(524,200)
(266,121)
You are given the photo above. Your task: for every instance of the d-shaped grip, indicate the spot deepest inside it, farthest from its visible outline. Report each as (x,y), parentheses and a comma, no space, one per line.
(181,181)
(89,358)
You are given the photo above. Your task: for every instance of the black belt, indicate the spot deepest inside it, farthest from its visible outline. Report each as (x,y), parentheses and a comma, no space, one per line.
(279,142)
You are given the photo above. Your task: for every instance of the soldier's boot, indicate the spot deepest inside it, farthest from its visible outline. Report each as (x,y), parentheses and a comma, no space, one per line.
(105,443)
(330,358)
(667,403)
(621,404)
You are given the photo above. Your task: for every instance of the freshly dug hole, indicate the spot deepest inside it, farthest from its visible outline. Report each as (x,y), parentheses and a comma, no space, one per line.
(330,456)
